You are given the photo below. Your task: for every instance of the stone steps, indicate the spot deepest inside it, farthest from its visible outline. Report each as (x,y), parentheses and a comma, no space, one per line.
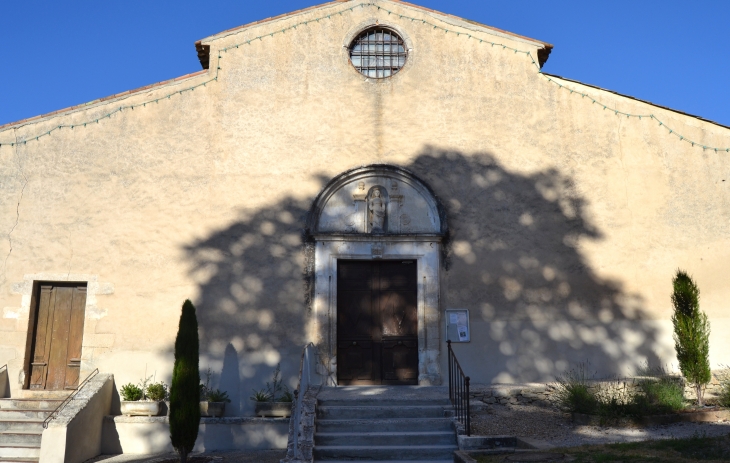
(39,394)
(20,450)
(385,438)
(29,437)
(441,453)
(387,461)
(9,414)
(29,404)
(384,424)
(21,424)
(380,411)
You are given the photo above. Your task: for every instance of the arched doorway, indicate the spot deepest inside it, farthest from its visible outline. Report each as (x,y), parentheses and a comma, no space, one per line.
(377,232)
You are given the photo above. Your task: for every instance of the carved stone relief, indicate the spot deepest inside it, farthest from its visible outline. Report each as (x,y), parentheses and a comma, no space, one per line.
(377,210)
(378,203)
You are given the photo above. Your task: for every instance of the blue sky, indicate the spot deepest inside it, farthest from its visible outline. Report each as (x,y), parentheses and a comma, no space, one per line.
(59,54)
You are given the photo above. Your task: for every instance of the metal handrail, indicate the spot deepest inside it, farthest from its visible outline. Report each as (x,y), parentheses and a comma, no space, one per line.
(459,391)
(68,399)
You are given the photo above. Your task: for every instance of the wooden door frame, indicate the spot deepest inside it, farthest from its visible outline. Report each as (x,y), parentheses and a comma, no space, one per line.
(378,338)
(424,249)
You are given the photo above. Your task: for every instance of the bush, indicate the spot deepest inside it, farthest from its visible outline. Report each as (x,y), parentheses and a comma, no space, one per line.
(157,391)
(691,333)
(185,391)
(216,395)
(276,390)
(572,392)
(724,378)
(131,392)
(657,396)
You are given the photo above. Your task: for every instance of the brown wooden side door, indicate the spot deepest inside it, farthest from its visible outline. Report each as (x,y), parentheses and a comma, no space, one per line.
(377,338)
(57,334)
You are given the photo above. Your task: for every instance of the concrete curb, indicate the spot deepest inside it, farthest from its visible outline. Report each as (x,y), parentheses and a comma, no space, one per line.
(703,416)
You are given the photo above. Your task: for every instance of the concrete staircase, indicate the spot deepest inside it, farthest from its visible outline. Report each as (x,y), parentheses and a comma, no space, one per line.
(21,424)
(382,424)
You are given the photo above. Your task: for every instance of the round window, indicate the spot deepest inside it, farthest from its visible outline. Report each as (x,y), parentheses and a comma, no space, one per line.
(378,52)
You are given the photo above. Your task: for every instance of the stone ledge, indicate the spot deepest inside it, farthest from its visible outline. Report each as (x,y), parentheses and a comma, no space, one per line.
(700,416)
(228,420)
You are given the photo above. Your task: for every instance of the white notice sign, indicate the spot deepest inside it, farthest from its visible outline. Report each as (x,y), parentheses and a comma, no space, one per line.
(457,325)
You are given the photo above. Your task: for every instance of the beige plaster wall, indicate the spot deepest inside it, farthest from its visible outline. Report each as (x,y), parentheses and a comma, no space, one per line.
(566,220)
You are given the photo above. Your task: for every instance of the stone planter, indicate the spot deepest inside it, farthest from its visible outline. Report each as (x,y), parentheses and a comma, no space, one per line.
(276,409)
(213,409)
(140,408)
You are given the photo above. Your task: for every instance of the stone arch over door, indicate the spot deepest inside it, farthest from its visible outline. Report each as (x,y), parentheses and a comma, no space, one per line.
(379,212)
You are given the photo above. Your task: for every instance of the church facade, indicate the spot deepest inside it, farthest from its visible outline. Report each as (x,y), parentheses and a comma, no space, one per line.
(371,177)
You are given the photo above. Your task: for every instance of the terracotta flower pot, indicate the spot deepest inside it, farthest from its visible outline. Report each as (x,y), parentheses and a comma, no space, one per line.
(276,409)
(140,408)
(213,409)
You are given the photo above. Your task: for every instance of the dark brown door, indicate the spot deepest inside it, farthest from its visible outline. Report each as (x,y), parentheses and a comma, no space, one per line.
(377,327)
(58,329)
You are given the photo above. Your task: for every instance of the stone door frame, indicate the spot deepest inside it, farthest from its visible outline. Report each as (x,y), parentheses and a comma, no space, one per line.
(424,249)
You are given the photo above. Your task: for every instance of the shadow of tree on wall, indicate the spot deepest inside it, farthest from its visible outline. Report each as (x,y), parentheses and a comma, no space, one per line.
(251,308)
(512,258)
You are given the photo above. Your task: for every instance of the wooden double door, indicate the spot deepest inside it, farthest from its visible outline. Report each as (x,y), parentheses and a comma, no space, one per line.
(58,325)
(377,325)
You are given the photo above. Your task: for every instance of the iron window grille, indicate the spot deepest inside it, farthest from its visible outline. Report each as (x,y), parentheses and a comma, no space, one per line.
(378,52)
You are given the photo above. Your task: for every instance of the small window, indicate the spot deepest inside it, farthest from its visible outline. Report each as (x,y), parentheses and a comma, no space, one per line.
(378,52)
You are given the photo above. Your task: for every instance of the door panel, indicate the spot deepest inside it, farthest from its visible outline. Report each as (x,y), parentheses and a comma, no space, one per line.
(56,350)
(42,341)
(400,361)
(357,361)
(75,337)
(377,328)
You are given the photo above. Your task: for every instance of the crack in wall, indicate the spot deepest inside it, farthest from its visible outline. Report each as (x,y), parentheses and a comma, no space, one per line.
(68,275)
(17,210)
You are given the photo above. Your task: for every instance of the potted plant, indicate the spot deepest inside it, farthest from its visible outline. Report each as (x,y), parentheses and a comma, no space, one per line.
(275,400)
(143,399)
(212,401)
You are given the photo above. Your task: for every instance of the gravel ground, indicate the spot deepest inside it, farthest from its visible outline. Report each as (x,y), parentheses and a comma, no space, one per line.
(542,423)
(554,427)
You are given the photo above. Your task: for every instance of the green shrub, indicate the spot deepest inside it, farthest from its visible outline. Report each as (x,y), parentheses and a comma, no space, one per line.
(664,395)
(572,392)
(157,391)
(216,395)
(691,333)
(260,396)
(724,378)
(131,392)
(185,390)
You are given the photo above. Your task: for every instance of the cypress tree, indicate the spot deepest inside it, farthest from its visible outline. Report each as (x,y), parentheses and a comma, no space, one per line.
(184,390)
(691,334)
